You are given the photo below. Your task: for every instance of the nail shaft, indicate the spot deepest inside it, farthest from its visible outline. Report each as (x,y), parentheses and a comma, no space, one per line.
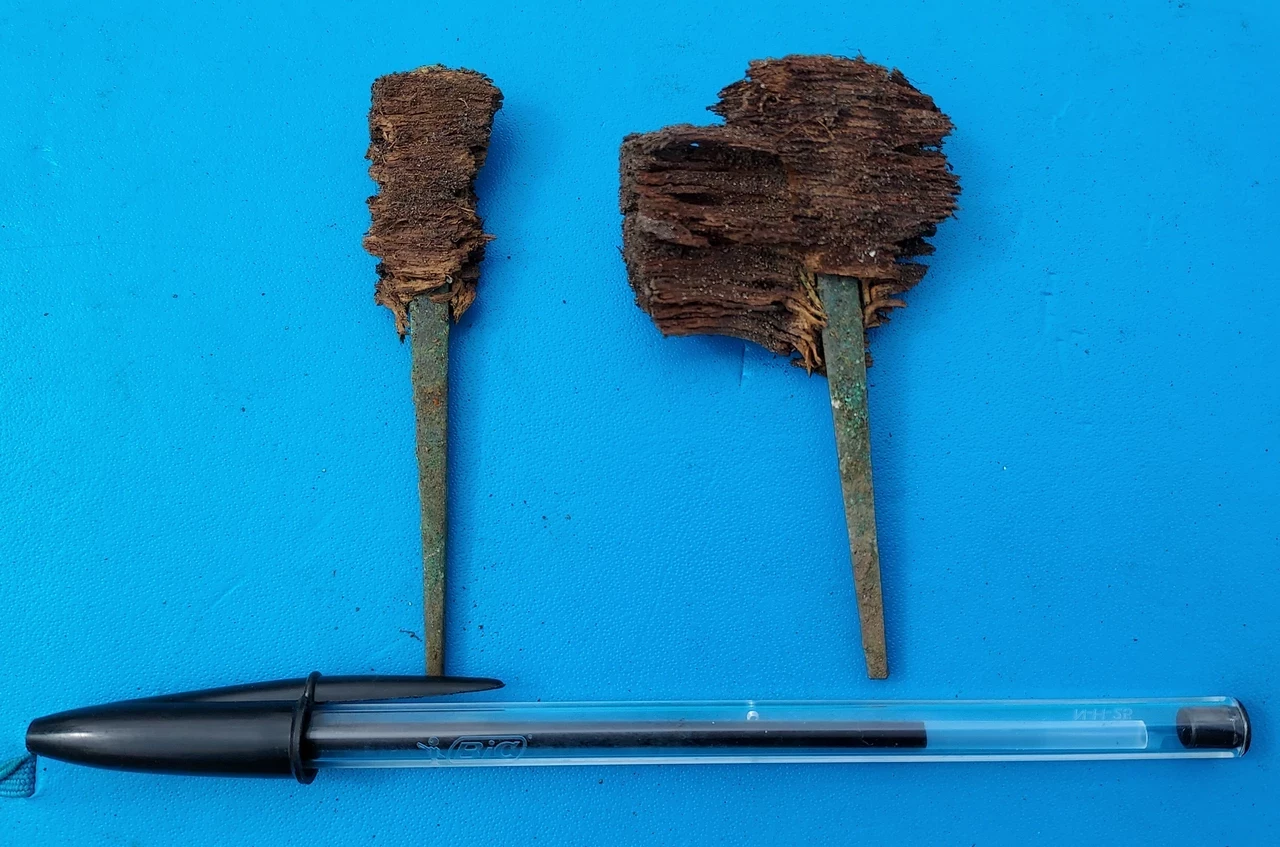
(844,346)
(429,353)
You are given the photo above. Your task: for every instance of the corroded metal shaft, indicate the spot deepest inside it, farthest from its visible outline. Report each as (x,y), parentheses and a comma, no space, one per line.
(844,347)
(429,352)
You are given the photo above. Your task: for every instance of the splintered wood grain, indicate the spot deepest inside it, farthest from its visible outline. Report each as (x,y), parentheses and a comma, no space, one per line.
(428,137)
(824,165)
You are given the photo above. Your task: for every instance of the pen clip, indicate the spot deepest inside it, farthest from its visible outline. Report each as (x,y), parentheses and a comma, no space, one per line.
(337,689)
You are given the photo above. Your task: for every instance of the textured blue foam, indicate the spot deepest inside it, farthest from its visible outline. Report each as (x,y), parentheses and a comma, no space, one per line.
(206,444)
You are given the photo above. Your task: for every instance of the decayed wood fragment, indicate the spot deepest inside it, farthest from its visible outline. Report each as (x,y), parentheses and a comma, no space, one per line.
(824,165)
(429,133)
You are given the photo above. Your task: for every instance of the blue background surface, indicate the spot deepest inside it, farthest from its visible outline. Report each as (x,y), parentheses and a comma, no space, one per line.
(206,442)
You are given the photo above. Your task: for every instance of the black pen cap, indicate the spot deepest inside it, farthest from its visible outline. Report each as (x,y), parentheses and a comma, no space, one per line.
(243,730)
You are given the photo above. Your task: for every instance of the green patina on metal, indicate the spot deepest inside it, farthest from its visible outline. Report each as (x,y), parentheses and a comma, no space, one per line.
(844,348)
(429,351)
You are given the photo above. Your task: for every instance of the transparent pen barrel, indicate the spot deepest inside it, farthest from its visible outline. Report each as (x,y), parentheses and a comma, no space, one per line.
(445,734)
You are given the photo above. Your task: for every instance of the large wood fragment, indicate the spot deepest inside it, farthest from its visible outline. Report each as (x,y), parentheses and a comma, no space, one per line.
(824,165)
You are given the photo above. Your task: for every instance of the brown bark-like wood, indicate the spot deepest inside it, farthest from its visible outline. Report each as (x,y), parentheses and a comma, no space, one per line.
(824,165)
(428,137)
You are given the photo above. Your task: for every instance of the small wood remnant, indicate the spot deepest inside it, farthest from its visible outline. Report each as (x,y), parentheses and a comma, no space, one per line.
(824,165)
(428,136)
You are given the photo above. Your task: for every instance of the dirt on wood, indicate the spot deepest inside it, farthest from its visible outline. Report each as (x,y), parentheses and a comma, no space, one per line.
(428,137)
(824,165)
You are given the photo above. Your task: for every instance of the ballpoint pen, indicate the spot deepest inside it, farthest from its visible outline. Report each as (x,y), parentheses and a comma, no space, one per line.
(295,727)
